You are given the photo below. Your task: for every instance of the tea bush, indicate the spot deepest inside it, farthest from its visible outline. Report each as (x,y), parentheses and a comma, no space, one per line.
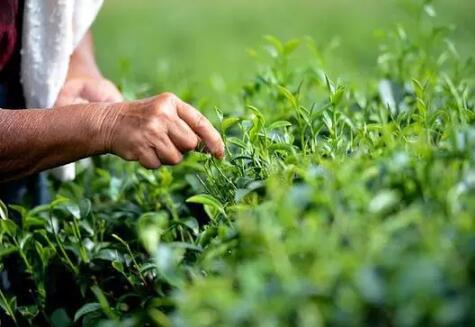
(335,205)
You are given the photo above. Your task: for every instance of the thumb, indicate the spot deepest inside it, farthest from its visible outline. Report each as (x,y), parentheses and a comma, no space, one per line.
(69,101)
(115,96)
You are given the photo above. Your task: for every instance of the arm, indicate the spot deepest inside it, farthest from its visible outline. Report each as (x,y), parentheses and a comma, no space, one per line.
(153,131)
(34,140)
(84,82)
(83,63)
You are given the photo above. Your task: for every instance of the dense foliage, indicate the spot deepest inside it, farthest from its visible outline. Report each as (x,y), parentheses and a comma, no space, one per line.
(335,205)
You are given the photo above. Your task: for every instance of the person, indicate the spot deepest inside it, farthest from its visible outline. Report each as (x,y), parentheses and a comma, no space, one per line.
(87,115)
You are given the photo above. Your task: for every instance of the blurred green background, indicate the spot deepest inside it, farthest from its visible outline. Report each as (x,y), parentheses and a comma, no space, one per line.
(199,44)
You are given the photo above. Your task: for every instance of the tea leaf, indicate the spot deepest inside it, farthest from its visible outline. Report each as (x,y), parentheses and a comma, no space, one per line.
(3,211)
(86,309)
(228,123)
(207,200)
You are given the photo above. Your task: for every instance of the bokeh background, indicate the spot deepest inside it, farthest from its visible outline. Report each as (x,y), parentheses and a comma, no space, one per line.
(204,44)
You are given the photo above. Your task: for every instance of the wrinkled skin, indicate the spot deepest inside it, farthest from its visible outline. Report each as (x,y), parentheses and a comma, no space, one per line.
(87,90)
(90,118)
(84,82)
(160,130)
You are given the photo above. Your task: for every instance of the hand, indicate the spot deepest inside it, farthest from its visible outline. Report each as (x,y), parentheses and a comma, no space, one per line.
(158,130)
(87,90)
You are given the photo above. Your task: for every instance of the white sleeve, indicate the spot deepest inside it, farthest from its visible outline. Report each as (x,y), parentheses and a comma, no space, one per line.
(51,31)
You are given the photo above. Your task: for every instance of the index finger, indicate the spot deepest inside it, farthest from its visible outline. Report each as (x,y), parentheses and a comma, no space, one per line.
(202,127)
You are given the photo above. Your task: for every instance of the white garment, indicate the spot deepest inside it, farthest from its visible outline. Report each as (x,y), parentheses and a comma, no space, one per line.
(52,30)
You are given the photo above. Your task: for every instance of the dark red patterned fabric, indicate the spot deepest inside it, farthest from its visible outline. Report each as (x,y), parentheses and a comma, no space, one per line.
(8,30)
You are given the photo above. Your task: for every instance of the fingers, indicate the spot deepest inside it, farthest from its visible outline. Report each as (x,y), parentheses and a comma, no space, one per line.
(81,91)
(149,159)
(160,130)
(113,94)
(202,127)
(183,136)
(101,91)
(64,101)
(114,97)
(167,151)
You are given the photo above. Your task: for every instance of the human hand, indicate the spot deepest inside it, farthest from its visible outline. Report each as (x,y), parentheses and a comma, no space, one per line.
(158,130)
(87,90)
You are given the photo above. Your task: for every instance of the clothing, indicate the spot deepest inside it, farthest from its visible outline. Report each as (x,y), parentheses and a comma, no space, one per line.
(33,189)
(52,30)
(49,30)
(8,30)
(11,13)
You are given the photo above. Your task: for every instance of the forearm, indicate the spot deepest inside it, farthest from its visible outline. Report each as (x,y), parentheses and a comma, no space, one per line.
(37,139)
(85,83)
(82,62)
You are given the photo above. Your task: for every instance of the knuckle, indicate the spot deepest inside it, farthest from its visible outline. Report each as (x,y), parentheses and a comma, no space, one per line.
(156,105)
(148,164)
(175,159)
(146,159)
(105,83)
(110,84)
(217,147)
(220,152)
(129,156)
(200,122)
(167,97)
(165,112)
(158,138)
(192,143)
(152,125)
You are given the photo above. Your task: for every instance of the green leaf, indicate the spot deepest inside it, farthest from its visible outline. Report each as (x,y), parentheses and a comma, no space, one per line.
(237,142)
(74,210)
(28,311)
(151,226)
(291,46)
(86,309)
(3,210)
(327,121)
(257,123)
(229,122)
(418,88)
(6,250)
(207,235)
(60,318)
(207,200)
(384,201)
(288,148)
(119,266)
(288,95)
(242,193)
(279,124)
(329,84)
(219,113)
(105,306)
(85,207)
(275,42)
(9,227)
(24,240)
(429,10)
(8,304)
(256,113)
(60,200)
(337,96)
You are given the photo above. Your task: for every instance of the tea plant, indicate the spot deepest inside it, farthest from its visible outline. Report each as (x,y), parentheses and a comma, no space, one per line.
(335,205)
